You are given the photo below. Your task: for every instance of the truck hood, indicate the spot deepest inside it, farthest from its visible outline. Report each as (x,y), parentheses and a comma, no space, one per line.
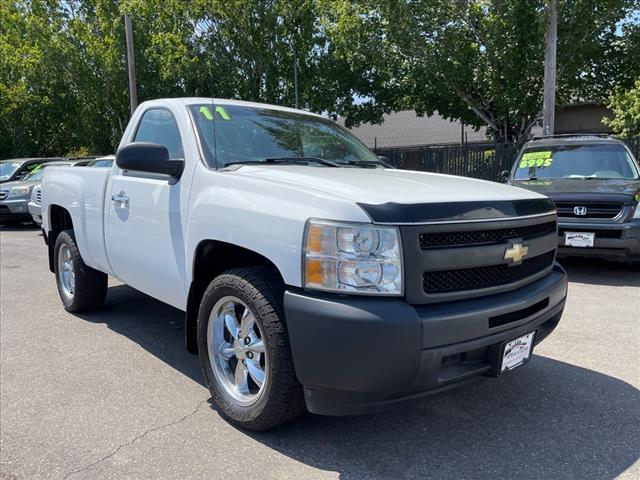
(377,185)
(566,187)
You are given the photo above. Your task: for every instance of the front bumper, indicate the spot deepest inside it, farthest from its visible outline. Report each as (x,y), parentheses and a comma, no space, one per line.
(362,355)
(35,209)
(14,209)
(613,241)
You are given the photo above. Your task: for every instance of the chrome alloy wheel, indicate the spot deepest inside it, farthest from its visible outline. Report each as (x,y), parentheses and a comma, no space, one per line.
(66,275)
(237,351)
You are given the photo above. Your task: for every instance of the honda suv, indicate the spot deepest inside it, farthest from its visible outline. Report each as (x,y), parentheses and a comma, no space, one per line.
(595,184)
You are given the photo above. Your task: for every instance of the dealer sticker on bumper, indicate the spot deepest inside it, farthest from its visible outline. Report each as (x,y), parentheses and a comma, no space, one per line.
(516,352)
(579,239)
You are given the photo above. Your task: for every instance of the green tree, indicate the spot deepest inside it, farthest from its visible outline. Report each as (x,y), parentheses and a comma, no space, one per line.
(63,85)
(250,47)
(626,109)
(64,81)
(478,61)
(33,117)
(63,78)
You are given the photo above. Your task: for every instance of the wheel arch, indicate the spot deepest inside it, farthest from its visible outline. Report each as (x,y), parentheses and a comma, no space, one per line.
(211,258)
(59,220)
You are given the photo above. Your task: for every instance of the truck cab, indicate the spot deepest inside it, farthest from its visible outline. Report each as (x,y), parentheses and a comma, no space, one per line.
(312,276)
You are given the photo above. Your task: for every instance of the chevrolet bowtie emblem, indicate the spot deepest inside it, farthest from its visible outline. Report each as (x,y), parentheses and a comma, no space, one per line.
(516,252)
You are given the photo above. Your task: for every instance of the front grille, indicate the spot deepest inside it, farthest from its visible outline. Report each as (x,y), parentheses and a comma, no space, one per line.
(4,194)
(38,195)
(483,237)
(594,210)
(484,277)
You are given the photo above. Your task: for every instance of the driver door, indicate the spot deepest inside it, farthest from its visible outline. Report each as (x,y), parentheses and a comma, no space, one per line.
(145,236)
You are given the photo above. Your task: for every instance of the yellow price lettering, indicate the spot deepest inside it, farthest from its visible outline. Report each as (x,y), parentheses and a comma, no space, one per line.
(536,159)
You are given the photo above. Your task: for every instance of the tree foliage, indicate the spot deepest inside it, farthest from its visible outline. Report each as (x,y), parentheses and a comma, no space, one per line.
(63,82)
(625,105)
(63,77)
(478,61)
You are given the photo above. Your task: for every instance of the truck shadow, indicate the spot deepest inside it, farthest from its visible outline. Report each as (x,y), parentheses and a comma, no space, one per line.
(600,272)
(21,227)
(550,420)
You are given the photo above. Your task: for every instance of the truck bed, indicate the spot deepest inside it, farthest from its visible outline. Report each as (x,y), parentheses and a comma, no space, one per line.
(82,191)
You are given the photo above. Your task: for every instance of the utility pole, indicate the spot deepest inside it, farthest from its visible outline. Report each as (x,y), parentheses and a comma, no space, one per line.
(295,78)
(549,102)
(131,63)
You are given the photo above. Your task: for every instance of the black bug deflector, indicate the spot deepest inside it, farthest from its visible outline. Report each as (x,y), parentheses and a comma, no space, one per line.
(397,213)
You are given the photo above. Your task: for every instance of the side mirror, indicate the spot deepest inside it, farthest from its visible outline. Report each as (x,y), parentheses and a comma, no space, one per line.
(149,158)
(504,175)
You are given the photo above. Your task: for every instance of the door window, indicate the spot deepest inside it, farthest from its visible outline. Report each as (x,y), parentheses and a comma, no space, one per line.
(159,126)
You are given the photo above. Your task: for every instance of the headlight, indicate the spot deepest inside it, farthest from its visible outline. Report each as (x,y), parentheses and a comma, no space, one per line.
(20,191)
(352,258)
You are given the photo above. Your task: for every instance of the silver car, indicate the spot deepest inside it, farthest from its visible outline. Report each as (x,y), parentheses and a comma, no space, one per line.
(15,196)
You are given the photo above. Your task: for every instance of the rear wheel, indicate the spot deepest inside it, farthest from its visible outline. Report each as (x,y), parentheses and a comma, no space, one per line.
(80,287)
(244,349)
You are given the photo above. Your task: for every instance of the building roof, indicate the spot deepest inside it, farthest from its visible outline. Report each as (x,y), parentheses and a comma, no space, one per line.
(406,129)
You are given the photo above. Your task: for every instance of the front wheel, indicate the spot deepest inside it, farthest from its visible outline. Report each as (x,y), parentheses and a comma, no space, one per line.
(244,349)
(81,287)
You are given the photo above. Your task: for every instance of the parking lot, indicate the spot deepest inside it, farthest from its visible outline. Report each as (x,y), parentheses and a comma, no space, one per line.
(114,394)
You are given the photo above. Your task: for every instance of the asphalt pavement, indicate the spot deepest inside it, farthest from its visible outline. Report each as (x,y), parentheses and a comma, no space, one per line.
(114,394)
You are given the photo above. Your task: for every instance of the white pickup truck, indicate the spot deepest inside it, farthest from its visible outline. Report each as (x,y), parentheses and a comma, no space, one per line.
(312,275)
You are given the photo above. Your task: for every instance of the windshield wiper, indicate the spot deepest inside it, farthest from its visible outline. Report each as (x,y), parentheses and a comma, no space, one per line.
(285,160)
(319,160)
(369,163)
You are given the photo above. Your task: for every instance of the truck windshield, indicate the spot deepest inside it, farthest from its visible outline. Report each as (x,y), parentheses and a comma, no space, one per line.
(605,161)
(7,169)
(239,134)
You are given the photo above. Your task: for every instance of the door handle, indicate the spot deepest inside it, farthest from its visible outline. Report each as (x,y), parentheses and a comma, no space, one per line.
(120,199)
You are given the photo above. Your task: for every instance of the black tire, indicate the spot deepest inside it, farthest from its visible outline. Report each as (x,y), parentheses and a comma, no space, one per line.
(90,284)
(261,289)
(635,266)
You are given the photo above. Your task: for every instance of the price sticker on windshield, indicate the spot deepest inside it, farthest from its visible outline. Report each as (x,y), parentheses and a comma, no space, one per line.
(536,159)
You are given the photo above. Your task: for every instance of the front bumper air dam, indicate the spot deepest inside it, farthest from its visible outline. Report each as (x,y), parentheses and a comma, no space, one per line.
(624,248)
(357,355)
(14,210)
